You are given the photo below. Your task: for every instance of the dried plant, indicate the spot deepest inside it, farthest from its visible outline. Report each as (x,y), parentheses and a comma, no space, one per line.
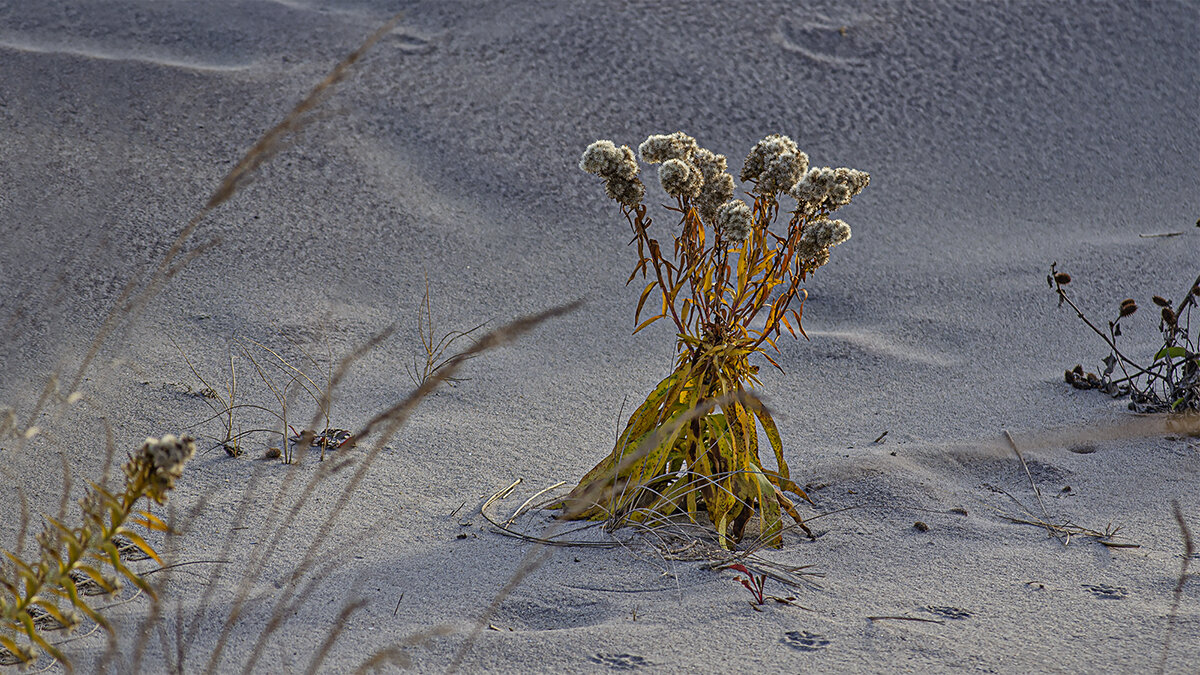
(731,263)
(1171,380)
(223,403)
(434,348)
(72,557)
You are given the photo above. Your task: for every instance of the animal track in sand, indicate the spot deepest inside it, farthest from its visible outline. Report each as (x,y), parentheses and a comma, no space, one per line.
(952,613)
(846,39)
(842,344)
(1106,592)
(620,661)
(553,612)
(804,641)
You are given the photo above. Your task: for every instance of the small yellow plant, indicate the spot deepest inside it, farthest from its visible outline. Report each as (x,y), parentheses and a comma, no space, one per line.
(71,557)
(730,263)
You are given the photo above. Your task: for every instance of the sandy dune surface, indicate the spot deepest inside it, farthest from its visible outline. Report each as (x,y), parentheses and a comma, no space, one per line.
(1000,137)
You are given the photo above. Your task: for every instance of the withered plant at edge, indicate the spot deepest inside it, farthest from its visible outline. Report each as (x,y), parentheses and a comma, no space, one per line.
(730,280)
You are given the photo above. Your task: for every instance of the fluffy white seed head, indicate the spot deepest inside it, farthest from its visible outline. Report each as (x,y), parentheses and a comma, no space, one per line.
(165,458)
(828,188)
(680,179)
(618,167)
(734,222)
(662,147)
(169,453)
(775,163)
(718,186)
(605,159)
(709,163)
(782,172)
(825,233)
(627,191)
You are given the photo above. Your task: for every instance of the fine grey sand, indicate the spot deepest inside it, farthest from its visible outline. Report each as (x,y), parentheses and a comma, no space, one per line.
(1000,138)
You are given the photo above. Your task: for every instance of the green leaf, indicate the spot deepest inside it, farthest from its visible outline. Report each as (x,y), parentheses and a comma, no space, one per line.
(152,522)
(53,611)
(13,648)
(49,648)
(768,425)
(137,581)
(1173,352)
(770,520)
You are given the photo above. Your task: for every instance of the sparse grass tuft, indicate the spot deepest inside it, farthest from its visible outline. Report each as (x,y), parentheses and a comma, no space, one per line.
(434,348)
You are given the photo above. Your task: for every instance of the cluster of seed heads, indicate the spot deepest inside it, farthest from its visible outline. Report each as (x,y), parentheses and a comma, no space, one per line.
(619,170)
(774,165)
(699,178)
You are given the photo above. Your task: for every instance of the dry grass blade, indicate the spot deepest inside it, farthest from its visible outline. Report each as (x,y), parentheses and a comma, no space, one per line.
(384,425)
(1036,492)
(272,141)
(131,301)
(331,637)
(434,348)
(395,654)
(1189,552)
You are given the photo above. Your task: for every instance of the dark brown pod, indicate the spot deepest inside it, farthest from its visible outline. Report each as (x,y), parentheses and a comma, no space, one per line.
(1062,278)
(1168,316)
(1161,301)
(1128,307)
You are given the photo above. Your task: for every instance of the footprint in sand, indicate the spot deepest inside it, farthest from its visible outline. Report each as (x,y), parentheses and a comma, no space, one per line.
(620,661)
(1106,592)
(952,613)
(848,39)
(412,44)
(804,641)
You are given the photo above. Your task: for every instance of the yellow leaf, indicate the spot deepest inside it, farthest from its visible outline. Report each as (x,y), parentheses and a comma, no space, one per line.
(140,543)
(647,322)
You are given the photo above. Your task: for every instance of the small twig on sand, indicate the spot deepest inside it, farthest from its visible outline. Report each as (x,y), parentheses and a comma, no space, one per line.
(1160,234)
(903,618)
(1189,550)
(397,610)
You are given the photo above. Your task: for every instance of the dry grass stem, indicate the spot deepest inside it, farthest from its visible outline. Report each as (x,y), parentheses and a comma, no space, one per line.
(1189,552)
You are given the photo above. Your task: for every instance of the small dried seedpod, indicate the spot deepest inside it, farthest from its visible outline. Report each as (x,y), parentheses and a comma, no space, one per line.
(1062,278)
(1161,301)
(1196,290)
(1168,316)
(1128,307)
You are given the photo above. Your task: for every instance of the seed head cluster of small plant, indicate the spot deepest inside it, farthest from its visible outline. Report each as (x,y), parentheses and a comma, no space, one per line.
(730,280)
(48,593)
(1168,381)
